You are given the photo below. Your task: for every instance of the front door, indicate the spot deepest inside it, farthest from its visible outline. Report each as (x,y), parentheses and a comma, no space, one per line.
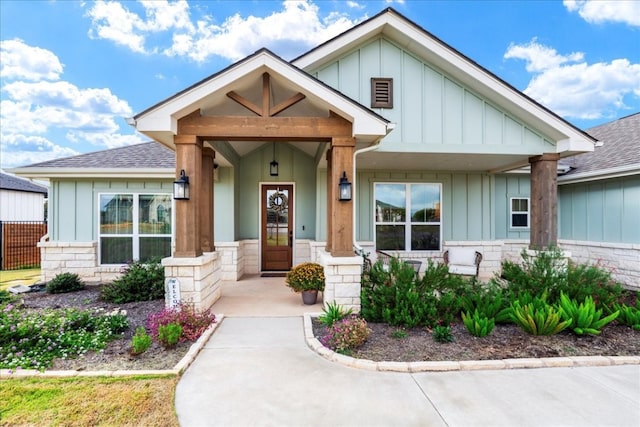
(277,227)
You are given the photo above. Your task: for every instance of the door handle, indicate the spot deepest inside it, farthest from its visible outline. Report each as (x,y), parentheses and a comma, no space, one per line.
(290,238)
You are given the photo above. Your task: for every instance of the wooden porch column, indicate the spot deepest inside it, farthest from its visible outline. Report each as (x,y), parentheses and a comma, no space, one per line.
(544,201)
(340,226)
(329,200)
(206,197)
(189,158)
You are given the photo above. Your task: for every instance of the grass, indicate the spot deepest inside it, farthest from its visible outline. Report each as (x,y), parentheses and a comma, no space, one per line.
(89,401)
(25,277)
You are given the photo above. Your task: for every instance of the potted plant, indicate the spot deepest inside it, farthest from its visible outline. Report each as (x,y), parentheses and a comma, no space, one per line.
(307,278)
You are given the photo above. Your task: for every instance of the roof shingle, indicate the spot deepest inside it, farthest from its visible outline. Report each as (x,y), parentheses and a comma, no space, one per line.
(10,182)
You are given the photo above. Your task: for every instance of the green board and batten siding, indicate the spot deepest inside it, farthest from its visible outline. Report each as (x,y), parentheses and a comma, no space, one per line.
(604,211)
(432,112)
(74,211)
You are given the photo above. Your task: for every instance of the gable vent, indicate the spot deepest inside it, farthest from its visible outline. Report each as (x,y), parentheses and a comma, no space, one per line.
(381,92)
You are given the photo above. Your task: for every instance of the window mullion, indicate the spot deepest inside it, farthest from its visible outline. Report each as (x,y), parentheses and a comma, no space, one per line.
(136,238)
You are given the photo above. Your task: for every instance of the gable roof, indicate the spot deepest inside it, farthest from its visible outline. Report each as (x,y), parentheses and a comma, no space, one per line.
(411,36)
(146,160)
(160,121)
(616,154)
(13,183)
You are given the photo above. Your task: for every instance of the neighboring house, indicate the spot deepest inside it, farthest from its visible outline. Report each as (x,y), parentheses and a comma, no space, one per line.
(599,201)
(21,200)
(424,137)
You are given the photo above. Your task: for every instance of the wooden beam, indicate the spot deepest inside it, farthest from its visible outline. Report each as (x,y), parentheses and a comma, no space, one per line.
(266,95)
(244,102)
(544,201)
(286,103)
(265,128)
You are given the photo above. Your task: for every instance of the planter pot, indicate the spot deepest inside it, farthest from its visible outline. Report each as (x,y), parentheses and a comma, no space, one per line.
(309,297)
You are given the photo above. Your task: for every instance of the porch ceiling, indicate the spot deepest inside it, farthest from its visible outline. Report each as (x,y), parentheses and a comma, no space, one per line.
(440,161)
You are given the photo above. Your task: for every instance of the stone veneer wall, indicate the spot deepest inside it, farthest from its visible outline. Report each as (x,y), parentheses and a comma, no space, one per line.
(623,259)
(231,259)
(199,278)
(80,258)
(251,249)
(342,279)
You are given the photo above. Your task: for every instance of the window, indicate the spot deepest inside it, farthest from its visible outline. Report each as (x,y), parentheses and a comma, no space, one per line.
(519,212)
(134,227)
(418,232)
(381,93)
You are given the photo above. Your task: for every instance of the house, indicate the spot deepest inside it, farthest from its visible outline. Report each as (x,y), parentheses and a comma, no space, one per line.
(21,200)
(599,201)
(383,137)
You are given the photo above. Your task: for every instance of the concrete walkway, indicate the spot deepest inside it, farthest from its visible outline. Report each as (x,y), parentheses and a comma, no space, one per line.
(258,371)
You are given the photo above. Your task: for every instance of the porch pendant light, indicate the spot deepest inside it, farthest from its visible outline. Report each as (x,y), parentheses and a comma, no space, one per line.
(344,187)
(273,166)
(181,187)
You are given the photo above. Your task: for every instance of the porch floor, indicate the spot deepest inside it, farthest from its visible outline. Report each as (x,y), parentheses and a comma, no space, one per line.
(255,296)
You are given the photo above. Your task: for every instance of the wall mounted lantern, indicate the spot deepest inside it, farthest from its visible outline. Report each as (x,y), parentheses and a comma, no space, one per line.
(345,188)
(181,187)
(273,166)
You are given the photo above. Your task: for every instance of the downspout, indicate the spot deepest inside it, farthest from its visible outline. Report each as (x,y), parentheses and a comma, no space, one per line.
(372,147)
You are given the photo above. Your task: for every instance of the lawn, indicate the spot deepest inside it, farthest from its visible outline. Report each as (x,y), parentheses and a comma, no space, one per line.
(27,277)
(89,401)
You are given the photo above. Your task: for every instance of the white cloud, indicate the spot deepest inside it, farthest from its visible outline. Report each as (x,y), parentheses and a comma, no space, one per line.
(601,11)
(36,103)
(20,61)
(20,150)
(297,27)
(571,87)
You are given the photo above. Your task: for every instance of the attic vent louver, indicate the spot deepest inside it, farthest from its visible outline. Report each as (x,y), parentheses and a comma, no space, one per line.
(381,92)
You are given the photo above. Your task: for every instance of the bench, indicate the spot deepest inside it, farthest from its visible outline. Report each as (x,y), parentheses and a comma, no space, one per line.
(463,261)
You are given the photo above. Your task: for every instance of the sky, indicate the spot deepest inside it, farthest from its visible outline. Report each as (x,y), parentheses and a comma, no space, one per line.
(71,72)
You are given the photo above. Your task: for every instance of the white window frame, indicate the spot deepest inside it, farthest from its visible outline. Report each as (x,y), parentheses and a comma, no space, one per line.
(135,235)
(407,221)
(512,212)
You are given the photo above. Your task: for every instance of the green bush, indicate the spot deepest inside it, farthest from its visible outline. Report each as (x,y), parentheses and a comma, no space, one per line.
(489,302)
(333,312)
(442,334)
(583,317)
(169,335)
(141,341)
(6,297)
(140,282)
(65,282)
(537,317)
(392,294)
(629,315)
(477,324)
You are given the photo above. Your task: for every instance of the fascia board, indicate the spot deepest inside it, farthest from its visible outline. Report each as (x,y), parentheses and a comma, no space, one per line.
(120,173)
(617,172)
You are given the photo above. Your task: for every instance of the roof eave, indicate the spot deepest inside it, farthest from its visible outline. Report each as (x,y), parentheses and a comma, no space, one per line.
(119,173)
(617,172)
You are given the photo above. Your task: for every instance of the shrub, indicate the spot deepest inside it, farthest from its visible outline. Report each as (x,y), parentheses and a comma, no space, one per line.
(395,296)
(488,302)
(629,315)
(442,334)
(583,318)
(64,282)
(169,335)
(140,282)
(346,334)
(537,317)
(308,276)
(478,325)
(399,334)
(333,312)
(141,341)
(6,297)
(33,340)
(193,323)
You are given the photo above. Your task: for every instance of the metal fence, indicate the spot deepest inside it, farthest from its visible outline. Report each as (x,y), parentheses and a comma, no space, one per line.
(19,244)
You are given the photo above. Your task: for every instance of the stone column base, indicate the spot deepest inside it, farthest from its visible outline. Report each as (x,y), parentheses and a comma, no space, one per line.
(198,279)
(342,279)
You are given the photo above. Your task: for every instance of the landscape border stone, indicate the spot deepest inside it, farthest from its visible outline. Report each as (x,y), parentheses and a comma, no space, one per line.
(463,365)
